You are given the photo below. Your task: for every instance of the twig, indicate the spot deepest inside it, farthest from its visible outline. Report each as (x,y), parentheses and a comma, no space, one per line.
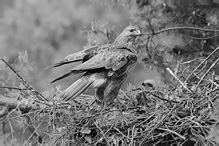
(133,134)
(201,64)
(186,62)
(213,64)
(158,124)
(151,27)
(168,130)
(146,119)
(161,98)
(40,96)
(202,38)
(185,27)
(122,133)
(34,133)
(214,83)
(102,133)
(15,88)
(201,70)
(183,85)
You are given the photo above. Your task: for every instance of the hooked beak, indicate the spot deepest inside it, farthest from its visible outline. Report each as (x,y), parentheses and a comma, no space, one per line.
(138,32)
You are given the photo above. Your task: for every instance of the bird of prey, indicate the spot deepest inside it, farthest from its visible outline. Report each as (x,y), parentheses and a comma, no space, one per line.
(105,68)
(127,36)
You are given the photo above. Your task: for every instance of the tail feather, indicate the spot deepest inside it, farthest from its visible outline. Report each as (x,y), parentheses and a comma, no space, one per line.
(61,63)
(62,77)
(68,74)
(75,89)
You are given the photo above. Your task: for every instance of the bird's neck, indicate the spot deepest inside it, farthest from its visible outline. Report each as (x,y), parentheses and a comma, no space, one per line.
(127,41)
(124,40)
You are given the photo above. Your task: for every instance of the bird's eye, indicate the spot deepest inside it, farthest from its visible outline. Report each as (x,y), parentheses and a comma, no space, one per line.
(131,30)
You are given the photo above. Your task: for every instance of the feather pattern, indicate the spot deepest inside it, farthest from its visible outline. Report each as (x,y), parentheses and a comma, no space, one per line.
(105,68)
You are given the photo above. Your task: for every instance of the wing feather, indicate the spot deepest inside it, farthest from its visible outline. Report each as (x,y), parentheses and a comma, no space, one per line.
(109,59)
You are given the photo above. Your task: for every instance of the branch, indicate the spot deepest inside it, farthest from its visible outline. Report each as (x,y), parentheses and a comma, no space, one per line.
(207,72)
(14,88)
(201,64)
(168,130)
(202,38)
(102,133)
(158,124)
(39,95)
(185,27)
(183,85)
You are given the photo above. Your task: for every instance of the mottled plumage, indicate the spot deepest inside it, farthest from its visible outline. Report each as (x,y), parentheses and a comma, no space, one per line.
(105,68)
(127,35)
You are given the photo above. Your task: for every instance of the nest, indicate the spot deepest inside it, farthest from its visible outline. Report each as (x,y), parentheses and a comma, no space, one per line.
(179,117)
(183,115)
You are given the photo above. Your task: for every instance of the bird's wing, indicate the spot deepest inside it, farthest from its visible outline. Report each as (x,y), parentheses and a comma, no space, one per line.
(112,58)
(75,57)
(109,59)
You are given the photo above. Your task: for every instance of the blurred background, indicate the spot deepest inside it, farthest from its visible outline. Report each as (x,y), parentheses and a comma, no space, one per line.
(37,33)
(48,30)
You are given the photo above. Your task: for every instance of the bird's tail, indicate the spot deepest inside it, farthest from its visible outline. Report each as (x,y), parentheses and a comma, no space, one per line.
(76,57)
(75,89)
(61,63)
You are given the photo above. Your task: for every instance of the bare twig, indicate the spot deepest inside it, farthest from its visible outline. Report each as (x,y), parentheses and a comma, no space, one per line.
(213,64)
(186,27)
(39,95)
(121,133)
(158,124)
(212,53)
(183,85)
(186,62)
(15,88)
(171,131)
(133,134)
(202,38)
(149,22)
(101,131)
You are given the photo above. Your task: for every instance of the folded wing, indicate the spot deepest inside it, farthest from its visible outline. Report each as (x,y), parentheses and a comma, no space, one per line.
(75,57)
(109,59)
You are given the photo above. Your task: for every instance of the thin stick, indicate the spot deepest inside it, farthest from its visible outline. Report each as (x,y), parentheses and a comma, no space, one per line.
(133,132)
(15,88)
(158,124)
(122,133)
(102,133)
(168,130)
(183,85)
(40,96)
(185,27)
(202,38)
(213,64)
(201,64)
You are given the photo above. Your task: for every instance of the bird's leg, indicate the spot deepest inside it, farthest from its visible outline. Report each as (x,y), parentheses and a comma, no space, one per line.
(99,95)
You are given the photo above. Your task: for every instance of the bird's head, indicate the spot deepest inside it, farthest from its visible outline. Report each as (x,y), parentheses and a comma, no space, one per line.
(131,31)
(128,34)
